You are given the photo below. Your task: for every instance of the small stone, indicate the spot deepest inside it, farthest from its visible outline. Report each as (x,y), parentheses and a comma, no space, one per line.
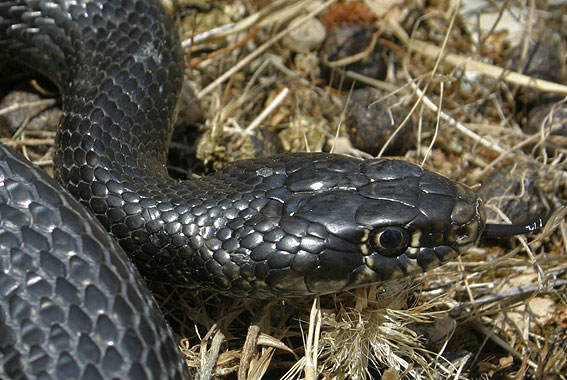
(551,116)
(305,36)
(370,121)
(544,60)
(348,41)
(518,190)
(36,111)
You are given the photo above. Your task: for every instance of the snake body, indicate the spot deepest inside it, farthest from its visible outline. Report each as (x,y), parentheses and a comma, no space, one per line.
(285,226)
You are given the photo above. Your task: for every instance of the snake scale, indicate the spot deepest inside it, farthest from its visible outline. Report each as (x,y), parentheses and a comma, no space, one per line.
(72,306)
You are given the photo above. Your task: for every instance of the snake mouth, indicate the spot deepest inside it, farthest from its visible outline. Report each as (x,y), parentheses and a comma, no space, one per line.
(412,262)
(379,269)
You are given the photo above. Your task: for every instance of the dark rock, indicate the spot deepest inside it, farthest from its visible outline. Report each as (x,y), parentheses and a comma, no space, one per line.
(346,41)
(371,120)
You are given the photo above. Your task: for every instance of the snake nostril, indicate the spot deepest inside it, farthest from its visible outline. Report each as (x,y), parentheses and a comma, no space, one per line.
(462,232)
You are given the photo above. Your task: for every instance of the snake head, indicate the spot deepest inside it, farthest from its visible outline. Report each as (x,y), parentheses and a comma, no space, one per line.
(372,221)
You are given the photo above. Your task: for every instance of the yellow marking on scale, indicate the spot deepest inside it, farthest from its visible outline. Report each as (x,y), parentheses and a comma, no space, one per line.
(415,238)
(413,250)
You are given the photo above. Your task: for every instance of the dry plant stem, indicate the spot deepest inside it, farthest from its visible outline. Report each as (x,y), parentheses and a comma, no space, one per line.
(500,342)
(557,219)
(431,105)
(206,35)
(266,111)
(399,128)
(550,359)
(501,11)
(437,124)
(312,343)
(26,142)
(42,90)
(270,341)
(261,365)
(487,143)
(420,119)
(256,75)
(46,158)
(522,372)
(353,58)
(527,35)
(460,370)
(248,350)
(435,52)
(43,163)
(18,106)
(295,371)
(422,94)
(530,140)
(468,289)
(209,357)
(290,73)
(455,60)
(275,12)
(196,61)
(260,50)
(521,291)
(21,131)
(440,360)
(342,118)
(255,19)
(379,84)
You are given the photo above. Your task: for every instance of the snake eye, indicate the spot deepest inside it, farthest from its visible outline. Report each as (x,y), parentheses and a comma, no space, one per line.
(389,241)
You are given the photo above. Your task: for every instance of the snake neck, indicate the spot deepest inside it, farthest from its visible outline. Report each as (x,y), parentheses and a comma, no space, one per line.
(120,82)
(124,81)
(120,85)
(119,105)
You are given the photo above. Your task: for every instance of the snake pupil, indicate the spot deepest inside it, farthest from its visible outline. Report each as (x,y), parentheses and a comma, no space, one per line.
(390,241)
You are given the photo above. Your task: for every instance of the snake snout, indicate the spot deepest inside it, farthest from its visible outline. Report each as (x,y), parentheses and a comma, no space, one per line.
(467,219)
(446,219)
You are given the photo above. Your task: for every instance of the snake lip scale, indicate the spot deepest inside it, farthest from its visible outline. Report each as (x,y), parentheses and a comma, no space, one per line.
(72,304)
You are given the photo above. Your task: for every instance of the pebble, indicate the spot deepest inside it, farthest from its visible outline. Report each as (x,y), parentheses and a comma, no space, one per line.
(305,36)
(346,41)
(370,123)
(518,191)
(544,60)
(552,116)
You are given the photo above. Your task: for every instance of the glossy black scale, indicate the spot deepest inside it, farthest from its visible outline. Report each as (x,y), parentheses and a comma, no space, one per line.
(72,305)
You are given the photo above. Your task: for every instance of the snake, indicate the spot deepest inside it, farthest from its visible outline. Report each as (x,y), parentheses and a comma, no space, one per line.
(75,252)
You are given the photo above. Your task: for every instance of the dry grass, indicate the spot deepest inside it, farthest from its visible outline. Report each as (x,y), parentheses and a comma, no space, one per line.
(498,312)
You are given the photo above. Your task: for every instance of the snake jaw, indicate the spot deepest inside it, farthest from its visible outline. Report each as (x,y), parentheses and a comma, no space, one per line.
(468,218)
